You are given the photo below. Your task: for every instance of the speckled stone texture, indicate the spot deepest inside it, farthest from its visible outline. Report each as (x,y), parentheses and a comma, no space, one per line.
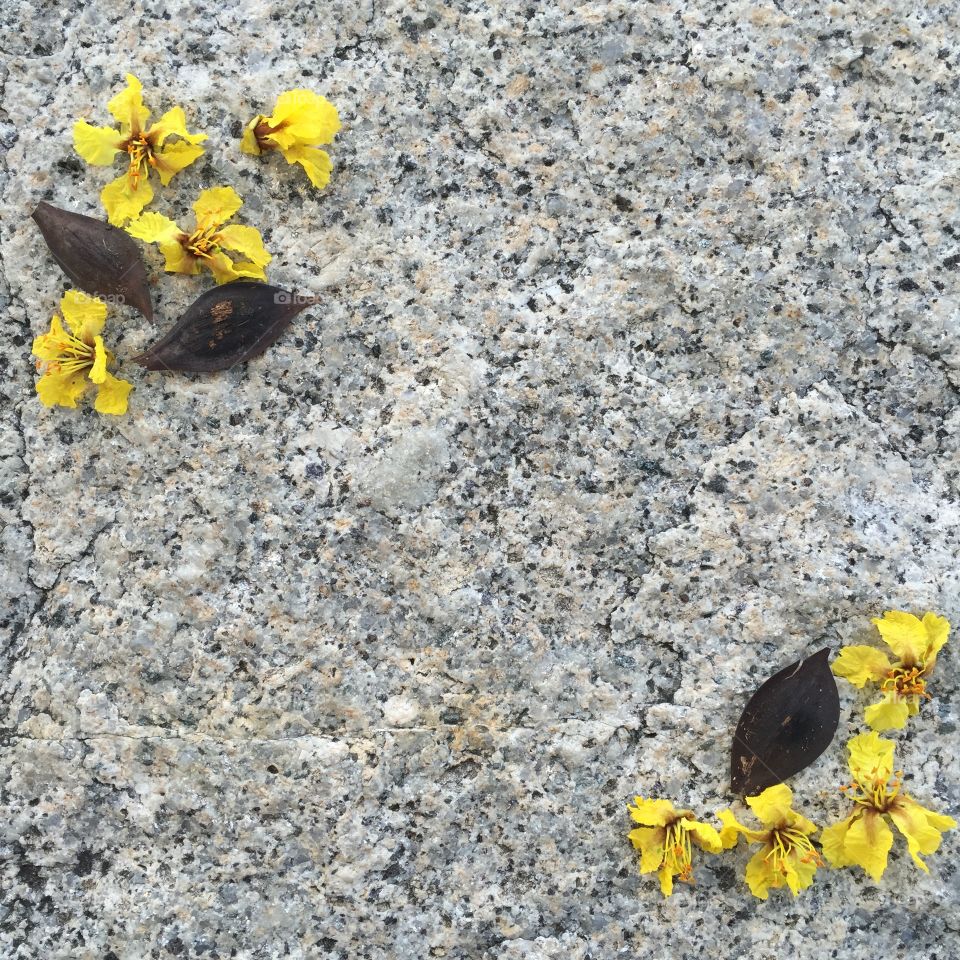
(634,377)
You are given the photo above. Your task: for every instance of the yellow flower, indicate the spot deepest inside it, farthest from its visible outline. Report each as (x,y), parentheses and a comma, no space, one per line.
(74,359)
(786,857)
(207,243)
(664,840)
(300,122)
(916,644)
(145,147)
(864,838)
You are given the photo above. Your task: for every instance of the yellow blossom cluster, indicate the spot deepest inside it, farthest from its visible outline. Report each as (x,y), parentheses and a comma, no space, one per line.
(786,854)
(301,122)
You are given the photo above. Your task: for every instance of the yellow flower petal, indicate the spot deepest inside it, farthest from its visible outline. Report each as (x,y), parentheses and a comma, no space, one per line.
(245,240)
(316,163)
(216,205)
(649,841)
(61,389)
(48,346)
(772,807)
(666,881)
(85,315)
(919,826)
(730,829)
(153,228)
(222,267)
(938,629)
(800,873)
(868,843)
(304,117)
(652,813)
(249,271)
(112,396)
(702,834)
(871,757)
(121,202)
(832,842)
(904,634)
(939,821)
(127,106)
(761,874)
(799,823)
(173,122)
(172,158)
(859,664)
(98,372)
(248,143)
(889,714)
(97,145)
(178,259)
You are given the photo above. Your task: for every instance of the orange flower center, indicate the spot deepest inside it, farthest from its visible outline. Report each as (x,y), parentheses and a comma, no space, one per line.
(877,792)
(677,855)
(786,843)
(141,153)
(905,682)
(75,356)
(203,242)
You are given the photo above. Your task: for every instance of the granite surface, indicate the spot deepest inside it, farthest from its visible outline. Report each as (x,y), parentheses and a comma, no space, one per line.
(634,377)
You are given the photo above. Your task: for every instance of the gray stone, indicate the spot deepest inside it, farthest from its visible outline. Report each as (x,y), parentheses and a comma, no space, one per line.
(633,377)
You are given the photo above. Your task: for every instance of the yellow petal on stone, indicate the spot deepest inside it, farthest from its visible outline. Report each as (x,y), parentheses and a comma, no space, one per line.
(868,843)
(122,202)
(889,714)
(800,873)
(173,122)
(97,145)
(249,271)
(222,267)
(245,240)
(761,874)
(48,346)
(702,834)
(666,881)
(216,205)
(772,806)
(797,821)
(153,228)
(905,634)
(732,828)
(172,158)
(918,833)
(248,142)
(652,813)
(832,842)
(112,396)
(305,117)
(98,372)
(316,163)
(938,629)
(127,106)
(61,389)
(649,841)
(939,821)
(861,663)
(178,259)
(85,315)
(921,827)
(871,757)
